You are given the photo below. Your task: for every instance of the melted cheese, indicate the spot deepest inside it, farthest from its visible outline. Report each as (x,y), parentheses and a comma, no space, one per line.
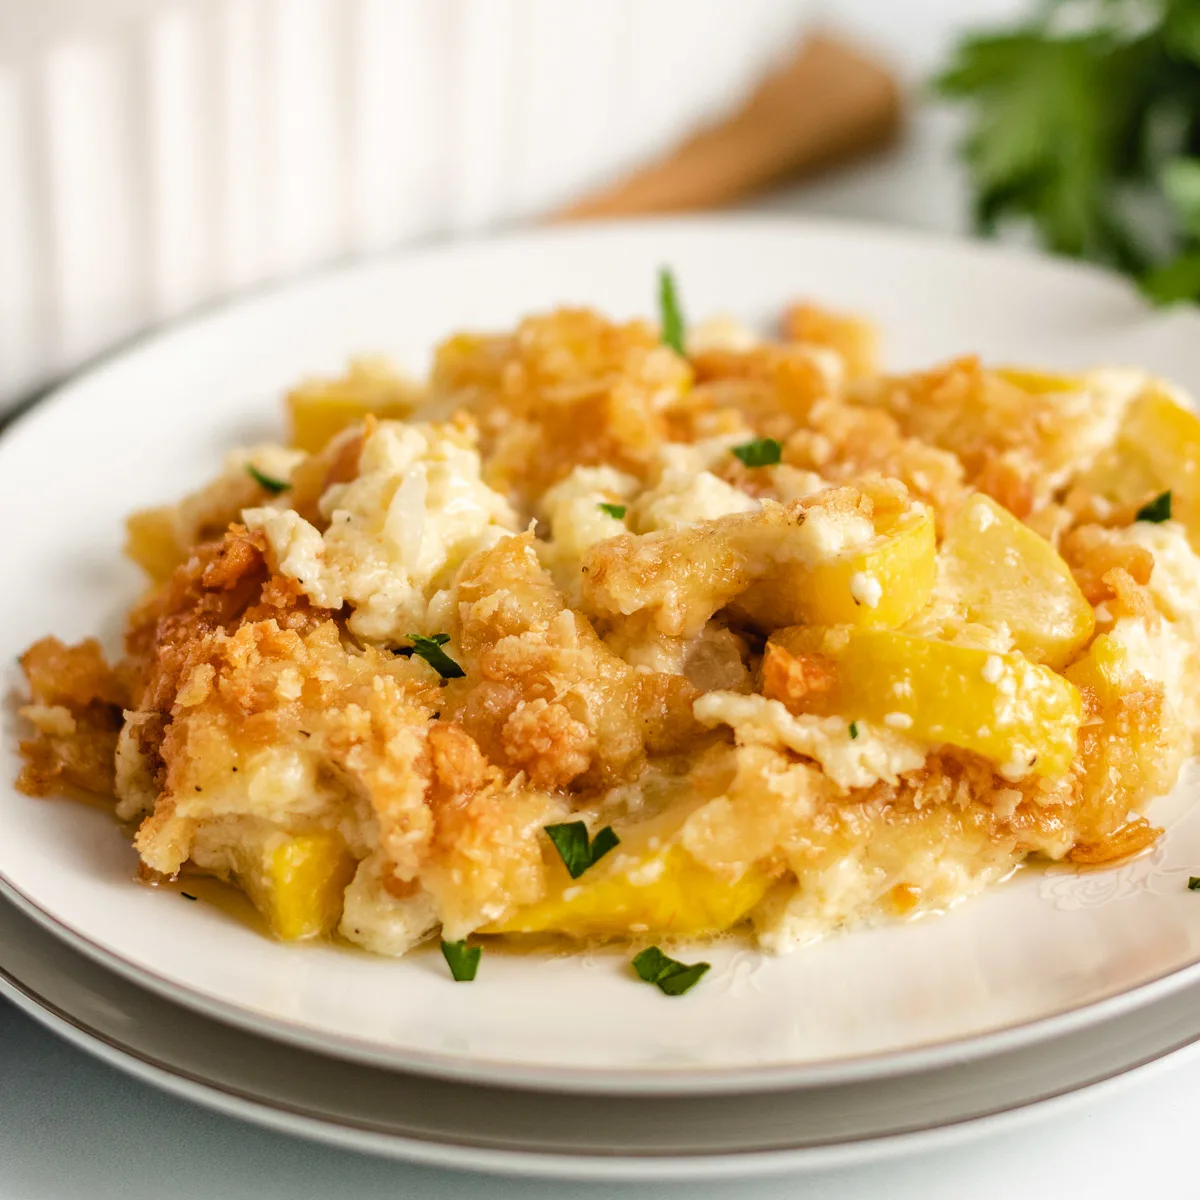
(851,762)
(397,533)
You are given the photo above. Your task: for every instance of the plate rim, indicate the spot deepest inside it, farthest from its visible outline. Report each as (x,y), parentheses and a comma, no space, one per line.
(713,1080)
(242,1103)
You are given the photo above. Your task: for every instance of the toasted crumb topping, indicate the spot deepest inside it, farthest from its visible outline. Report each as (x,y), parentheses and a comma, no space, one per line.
(801,642)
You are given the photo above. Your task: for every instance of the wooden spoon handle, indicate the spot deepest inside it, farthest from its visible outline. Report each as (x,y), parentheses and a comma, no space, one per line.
(826,103)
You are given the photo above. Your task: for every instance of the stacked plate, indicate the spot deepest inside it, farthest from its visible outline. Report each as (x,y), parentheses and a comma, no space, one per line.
(870,1043)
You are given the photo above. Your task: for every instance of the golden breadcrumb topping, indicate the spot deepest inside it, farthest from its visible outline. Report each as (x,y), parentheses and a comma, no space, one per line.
(591,638)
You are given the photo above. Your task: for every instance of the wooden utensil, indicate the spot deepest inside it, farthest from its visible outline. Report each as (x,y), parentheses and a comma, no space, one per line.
(826,103)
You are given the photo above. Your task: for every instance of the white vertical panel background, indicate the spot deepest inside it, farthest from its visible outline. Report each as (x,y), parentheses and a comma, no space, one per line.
(158,154)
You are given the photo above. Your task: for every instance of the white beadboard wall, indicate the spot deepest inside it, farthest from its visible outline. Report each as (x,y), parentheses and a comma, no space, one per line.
(157,154)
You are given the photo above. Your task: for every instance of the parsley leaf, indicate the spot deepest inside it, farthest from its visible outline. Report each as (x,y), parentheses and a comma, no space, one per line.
(1082,125)
(670,314)
(463,960)
(678,982)
(430,649)
(1175,281)
(1194,883)
(670,976)
(1157,511)
(614,510)
(574,848)
(267,482)
(1049,141)
(1180,179)
(762,452)
(853,730)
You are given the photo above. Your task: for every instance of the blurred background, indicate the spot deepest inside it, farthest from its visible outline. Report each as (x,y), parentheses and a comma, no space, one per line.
(160,155)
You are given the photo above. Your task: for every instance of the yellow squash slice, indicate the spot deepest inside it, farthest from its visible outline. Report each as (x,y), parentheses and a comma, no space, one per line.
(297,883)
(877,586)
(649,885)
(1021,716)
(1102,669)
(321,409)
(897,572)
(1040,383)
(152,541)
(1157,450)
(1001,573)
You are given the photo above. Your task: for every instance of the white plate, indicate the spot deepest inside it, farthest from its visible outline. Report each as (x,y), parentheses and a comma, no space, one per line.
(1045,953)
(585,1137)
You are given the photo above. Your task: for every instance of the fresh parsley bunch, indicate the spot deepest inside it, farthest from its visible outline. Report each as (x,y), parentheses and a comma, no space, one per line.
(1085,124)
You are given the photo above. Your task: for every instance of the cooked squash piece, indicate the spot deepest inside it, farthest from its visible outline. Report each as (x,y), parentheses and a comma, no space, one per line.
(1021,716)
(320,409)
(876,585)
(1040,383)
(1101,670)
(1001,573)
(649,884)
(1159,446)
(152,541)
(297,883)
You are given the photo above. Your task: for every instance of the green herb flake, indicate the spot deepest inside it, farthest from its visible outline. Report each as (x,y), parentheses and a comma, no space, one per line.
(267,482)
(614,510)
(678,982)
(670,314)
(430,649)
(1194,883)
(853,730)
(762,452)
(577,851)
(1157,511)
(463,960)
(651,963)
(670,976)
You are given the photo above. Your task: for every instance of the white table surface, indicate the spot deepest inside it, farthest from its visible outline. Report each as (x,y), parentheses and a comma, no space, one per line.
(71,1127)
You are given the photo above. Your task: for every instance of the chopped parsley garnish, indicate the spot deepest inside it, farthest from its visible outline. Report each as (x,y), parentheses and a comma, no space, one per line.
(576,850)
(670,976)
(853,730)
(463,960)
(1194,883)
(267,482)
(614,510)
(762,452)
(1158,510)
(430,649)
(671,316)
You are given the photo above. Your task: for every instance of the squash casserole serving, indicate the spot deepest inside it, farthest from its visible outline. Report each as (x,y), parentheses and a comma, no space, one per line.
(644,632)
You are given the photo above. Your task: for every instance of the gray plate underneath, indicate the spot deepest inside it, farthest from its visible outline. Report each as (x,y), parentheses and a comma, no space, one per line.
(525,1132)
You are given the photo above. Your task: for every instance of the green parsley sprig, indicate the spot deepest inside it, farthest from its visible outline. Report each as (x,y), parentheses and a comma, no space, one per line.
(577,851)
(267,482)
(430,649)
(1084,125)
(1157,511)
(671,323)
(762,452)
(462,959)
(617,511)
(669,975)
